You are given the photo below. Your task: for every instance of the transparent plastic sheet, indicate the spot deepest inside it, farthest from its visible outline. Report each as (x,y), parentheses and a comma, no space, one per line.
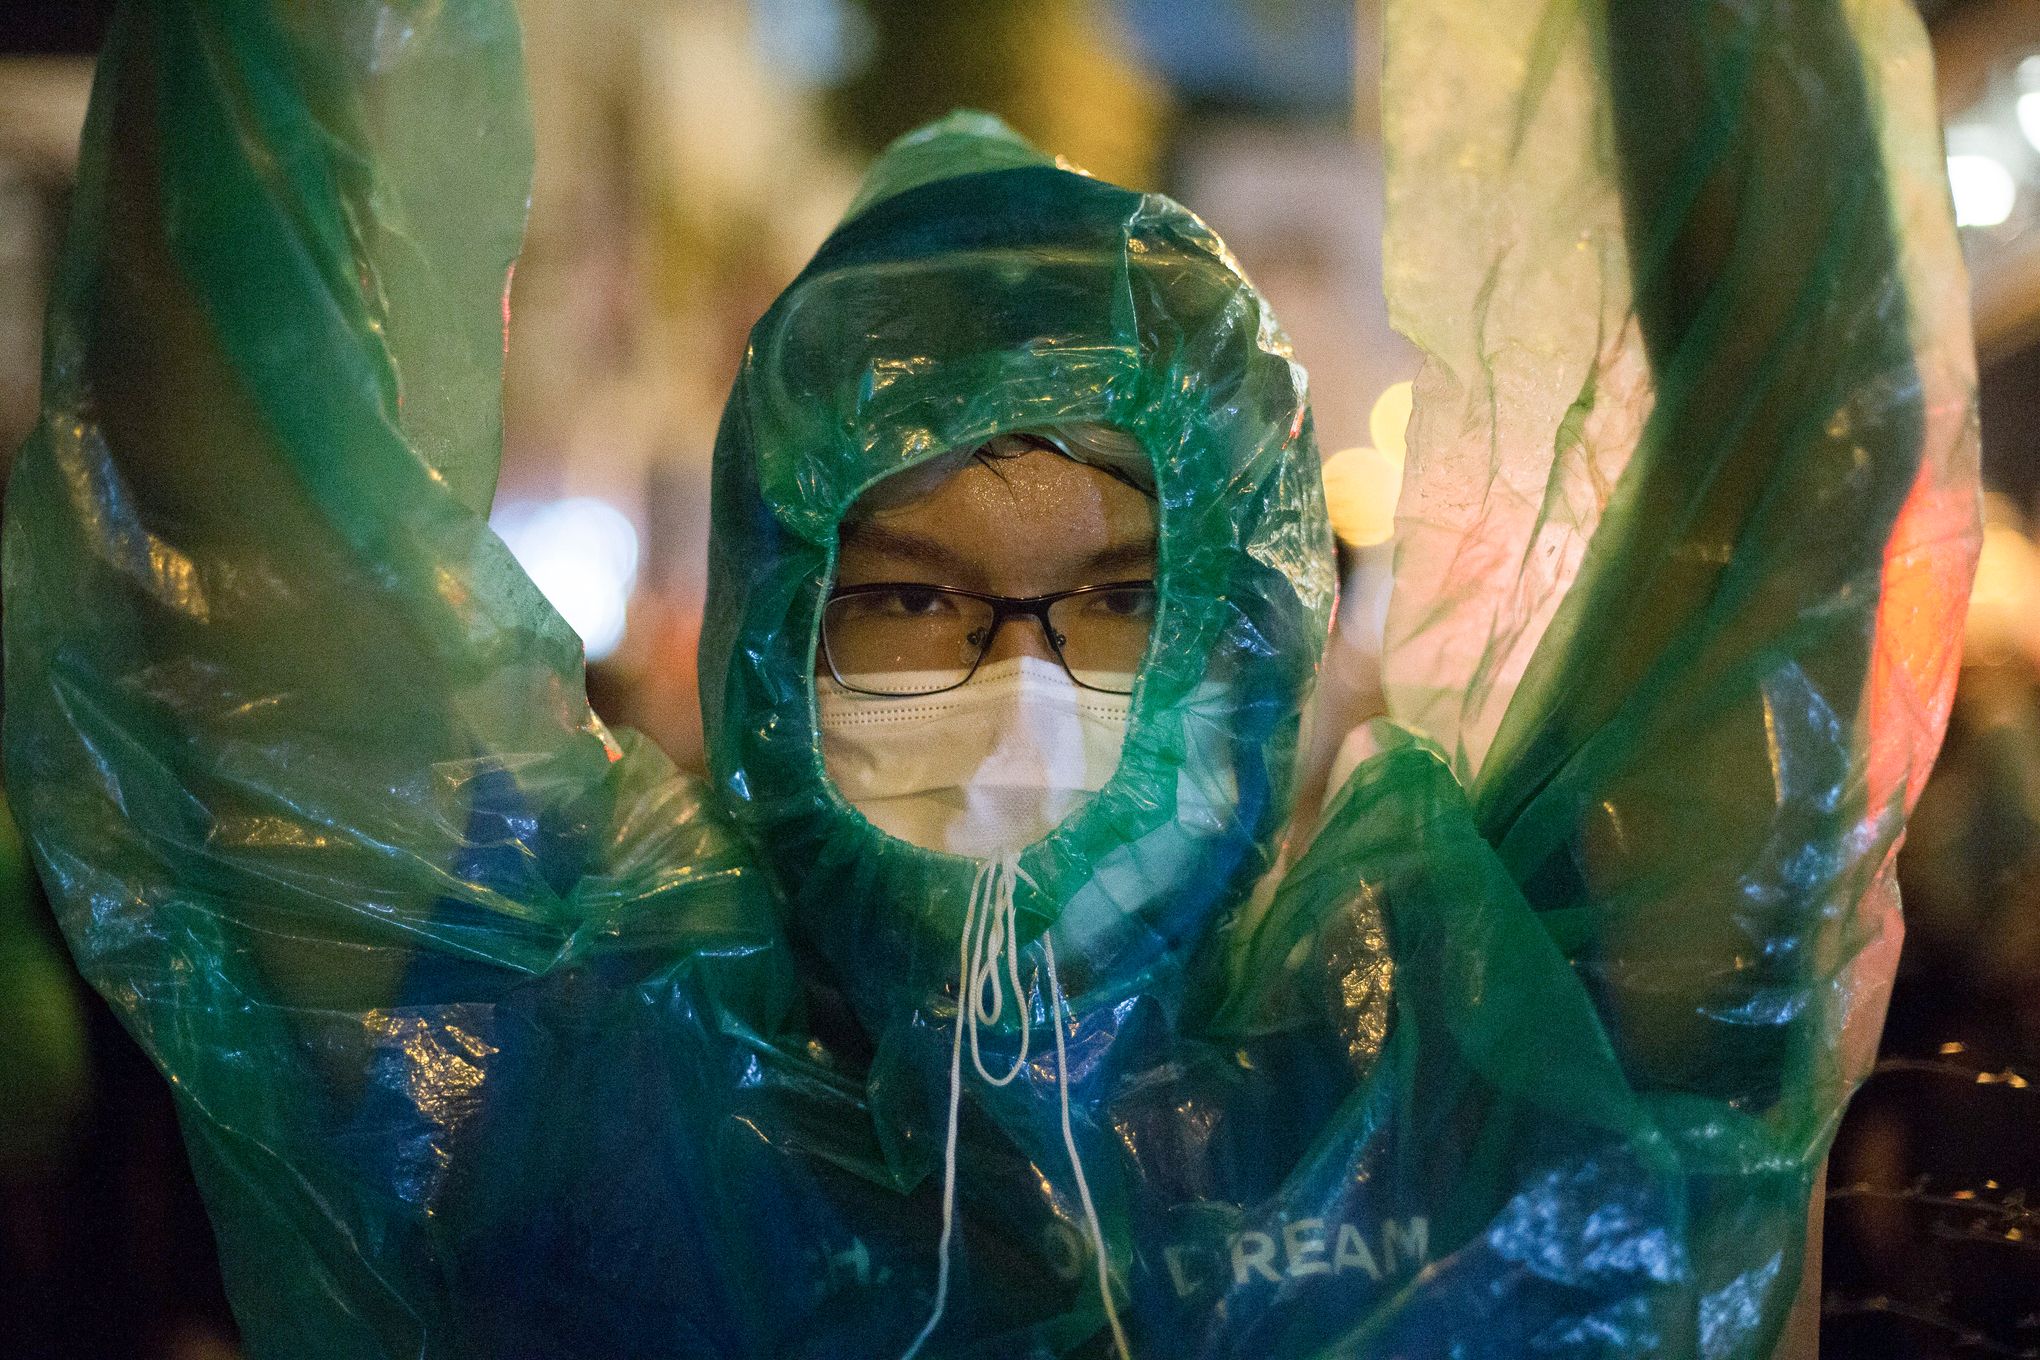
(493,1036)
(1704,541)
(45,1069)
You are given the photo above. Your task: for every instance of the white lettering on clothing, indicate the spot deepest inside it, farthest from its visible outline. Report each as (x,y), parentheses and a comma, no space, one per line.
(1416,1241)
(1352,1253)
(1255,1250)
(1303,1241)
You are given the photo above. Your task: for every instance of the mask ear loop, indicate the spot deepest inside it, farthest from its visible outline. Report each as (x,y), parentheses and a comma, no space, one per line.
(990,930)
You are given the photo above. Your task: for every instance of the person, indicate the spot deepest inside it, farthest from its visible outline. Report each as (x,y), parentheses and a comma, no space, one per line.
(1008,592)
(493,1036)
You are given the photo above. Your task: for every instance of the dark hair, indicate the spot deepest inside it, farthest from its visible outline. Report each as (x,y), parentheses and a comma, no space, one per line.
(1002,447)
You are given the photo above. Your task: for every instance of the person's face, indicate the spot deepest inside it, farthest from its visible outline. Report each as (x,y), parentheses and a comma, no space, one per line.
(1030,524)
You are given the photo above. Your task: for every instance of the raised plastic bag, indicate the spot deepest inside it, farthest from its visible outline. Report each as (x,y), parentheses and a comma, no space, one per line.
(495,1037)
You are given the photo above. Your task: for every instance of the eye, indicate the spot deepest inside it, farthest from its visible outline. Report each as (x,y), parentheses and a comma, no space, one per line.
(1126,602)
(912,601)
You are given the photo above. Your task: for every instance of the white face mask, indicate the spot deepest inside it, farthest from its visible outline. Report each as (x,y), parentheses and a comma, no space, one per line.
(987,768)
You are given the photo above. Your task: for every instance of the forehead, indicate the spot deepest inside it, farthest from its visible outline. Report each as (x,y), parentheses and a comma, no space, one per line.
(1034,487)
(1027,523)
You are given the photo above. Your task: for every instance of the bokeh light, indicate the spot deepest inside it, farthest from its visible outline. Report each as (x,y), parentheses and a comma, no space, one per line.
(2028,110)
(1984,189)
(1361,486)
(1388,422)
(582,553)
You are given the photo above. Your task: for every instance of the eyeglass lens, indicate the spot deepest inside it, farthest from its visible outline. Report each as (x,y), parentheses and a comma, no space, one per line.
(908,640)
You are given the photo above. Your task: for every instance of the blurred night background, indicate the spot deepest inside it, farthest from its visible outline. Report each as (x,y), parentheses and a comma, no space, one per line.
(691,155)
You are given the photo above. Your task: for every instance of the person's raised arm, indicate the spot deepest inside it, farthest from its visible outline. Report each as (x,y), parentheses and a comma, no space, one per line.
(1707,761)
(305,759)
(1604,927)
(260,640)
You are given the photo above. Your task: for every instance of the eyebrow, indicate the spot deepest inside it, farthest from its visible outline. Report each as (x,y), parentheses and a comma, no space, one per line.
(899,543)
(1119,557)
(922,551)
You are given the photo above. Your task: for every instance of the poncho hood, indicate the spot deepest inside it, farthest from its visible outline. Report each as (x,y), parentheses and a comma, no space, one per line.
(978,287)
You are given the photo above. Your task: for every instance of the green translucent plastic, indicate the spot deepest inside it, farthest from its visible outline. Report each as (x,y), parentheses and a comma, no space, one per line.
(45,1066)
(494,1036)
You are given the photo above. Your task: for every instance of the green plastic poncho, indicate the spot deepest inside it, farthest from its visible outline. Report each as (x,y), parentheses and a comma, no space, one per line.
(494,1036)
(45,1063)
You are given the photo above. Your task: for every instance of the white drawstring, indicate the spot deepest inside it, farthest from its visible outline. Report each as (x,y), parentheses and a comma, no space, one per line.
(995,929)
(991,928)
(1062,1082)
(963,1006)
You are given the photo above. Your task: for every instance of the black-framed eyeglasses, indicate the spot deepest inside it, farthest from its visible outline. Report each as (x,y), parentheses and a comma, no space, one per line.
(900,639)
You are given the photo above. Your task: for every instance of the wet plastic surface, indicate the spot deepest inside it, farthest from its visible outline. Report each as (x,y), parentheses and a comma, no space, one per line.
(493,1036)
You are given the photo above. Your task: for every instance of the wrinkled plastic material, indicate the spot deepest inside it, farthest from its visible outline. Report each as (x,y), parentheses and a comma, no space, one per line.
(493,1036)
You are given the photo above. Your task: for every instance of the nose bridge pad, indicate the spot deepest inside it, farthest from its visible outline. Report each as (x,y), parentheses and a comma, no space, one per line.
(1035,638)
